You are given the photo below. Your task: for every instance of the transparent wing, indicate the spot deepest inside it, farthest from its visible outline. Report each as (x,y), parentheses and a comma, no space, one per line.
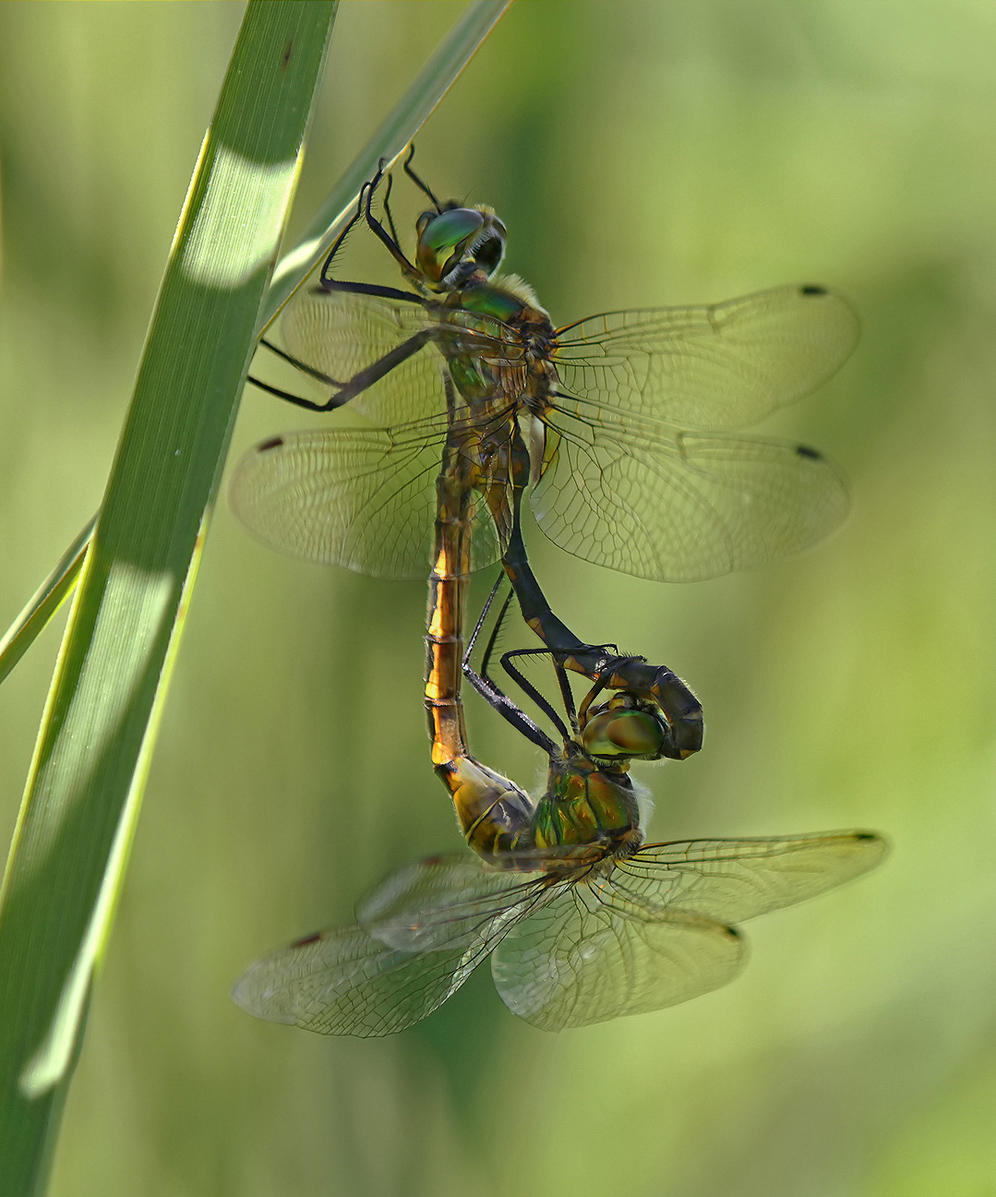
(643,499)
(712,367)
(585,958)
(340,334)
(733,880)
(448,901)
(427,929)
(361,498)
(344,982)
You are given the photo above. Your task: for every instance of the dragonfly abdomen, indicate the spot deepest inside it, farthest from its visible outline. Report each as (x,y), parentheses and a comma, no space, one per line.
(495,816)
(447,592)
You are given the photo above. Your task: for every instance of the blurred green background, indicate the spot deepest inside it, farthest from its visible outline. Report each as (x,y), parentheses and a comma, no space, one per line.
(640,153)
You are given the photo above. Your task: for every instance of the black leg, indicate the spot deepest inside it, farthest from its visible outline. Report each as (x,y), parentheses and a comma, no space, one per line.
(417,180)
(490,692)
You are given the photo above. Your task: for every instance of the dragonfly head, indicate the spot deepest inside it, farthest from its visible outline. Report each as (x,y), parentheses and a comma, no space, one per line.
(456,246)
(625,727)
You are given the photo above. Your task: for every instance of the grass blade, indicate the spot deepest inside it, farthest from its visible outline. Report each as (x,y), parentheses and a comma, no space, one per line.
(45,602)
(421,100)
(83,793)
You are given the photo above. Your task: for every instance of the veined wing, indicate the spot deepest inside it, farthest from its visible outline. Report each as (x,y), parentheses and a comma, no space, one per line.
(581,959)
(710,367)
(355,981)
(734,880)
(361,498)
(344,982)
(341,334)
(448,901)
(639,497)
(655,931)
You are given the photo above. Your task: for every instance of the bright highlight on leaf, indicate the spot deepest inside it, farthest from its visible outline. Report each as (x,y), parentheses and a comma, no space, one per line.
(239,220)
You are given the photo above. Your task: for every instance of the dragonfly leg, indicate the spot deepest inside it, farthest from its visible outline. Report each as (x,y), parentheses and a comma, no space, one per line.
(419,182)
(566,694)
(655,684)
(485,685)
(408,269)
(354,386)
(387,210)
(350,225)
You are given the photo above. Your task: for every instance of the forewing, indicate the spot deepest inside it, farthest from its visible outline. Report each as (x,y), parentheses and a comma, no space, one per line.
(711,367)
(733,880)
(361,498)
(447,901)
(340,334)
(583,958)
(640,498)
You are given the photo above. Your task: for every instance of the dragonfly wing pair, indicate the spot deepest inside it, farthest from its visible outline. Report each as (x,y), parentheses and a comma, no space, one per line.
(567,949)
(658,929)
(634,474)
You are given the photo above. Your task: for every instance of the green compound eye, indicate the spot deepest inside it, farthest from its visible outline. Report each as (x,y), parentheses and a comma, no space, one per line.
(448,229)
(442,238)
(465,237)
(615,733)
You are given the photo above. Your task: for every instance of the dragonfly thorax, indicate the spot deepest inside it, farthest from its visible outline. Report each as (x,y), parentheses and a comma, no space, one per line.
(586,803)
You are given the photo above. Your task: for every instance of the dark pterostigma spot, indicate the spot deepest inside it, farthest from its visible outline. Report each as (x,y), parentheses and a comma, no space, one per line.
(303,943)
(273,443)
(812,289)
(806,451)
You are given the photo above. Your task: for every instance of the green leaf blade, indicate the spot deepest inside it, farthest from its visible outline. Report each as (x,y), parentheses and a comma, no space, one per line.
(84,789)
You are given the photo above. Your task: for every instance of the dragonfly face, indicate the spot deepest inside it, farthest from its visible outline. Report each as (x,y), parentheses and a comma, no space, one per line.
(457,246)
(624,727)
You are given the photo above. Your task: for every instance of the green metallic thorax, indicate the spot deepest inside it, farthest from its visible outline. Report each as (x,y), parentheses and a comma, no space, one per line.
(586,804)
(525,372)
(490,300)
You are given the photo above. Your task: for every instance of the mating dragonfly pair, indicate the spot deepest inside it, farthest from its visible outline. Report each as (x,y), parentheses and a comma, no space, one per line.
(614,429)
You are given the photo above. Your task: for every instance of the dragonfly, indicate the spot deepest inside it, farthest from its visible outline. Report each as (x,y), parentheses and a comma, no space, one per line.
(581,919)
(615,427)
